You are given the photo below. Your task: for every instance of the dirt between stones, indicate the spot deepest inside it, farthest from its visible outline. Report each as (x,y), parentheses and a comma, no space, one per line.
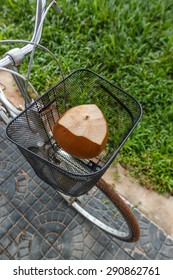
(156,207)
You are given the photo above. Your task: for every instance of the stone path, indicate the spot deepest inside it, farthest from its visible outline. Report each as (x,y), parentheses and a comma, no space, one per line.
(36,223)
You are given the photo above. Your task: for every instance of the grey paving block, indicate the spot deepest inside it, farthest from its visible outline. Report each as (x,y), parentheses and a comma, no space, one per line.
(103,239)
(106,256)
(122,255)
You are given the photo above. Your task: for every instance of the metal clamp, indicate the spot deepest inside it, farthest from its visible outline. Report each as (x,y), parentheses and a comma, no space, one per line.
(16,55)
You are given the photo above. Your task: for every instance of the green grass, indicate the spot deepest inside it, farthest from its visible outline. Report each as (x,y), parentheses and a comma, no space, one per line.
(128,42)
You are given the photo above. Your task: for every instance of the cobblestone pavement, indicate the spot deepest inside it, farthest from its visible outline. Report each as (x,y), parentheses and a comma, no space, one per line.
(36,223)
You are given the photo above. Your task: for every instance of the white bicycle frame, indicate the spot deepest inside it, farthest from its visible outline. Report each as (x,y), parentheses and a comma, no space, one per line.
(14,57)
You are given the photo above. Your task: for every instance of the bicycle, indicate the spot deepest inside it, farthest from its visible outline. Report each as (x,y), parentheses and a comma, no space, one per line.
(76,180)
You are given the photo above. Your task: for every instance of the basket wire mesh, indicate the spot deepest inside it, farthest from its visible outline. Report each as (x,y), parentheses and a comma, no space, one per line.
(32,130)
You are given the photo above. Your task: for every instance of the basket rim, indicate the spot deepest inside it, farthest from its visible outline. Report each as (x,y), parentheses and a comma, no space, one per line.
(110,160)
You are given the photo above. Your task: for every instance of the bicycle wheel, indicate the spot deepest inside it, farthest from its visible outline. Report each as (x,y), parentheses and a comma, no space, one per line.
(107,210)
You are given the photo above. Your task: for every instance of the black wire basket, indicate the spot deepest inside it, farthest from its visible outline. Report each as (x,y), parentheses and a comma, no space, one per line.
(32,130)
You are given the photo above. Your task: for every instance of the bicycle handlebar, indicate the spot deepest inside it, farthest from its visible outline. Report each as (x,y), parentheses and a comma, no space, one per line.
(16,56)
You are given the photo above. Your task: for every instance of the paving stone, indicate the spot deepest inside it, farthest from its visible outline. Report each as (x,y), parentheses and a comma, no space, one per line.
(91,256)
(2,154)
(77,254)
(38,192)
(14,232)
(87,226)
(16,157)
(22,223)
(30,199)
(89,241)
(121,255)
(23,252)
(6,210)
(52,254)
(5,257)
(85,252)
(9,150)
(112,248)
(106,256)
(51,205)
(166,250)
(72,225)
(30,214)
(77,230)
(5,241)
(23,207)
(12,249)
(136,253)
(30,229)
(45,198)
(103,239)
(97,247)
(95,232)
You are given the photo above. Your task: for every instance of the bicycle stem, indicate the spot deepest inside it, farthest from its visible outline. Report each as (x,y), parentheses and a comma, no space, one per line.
(15,56)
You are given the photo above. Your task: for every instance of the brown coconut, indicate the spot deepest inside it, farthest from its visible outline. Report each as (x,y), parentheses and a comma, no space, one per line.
(82,131)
